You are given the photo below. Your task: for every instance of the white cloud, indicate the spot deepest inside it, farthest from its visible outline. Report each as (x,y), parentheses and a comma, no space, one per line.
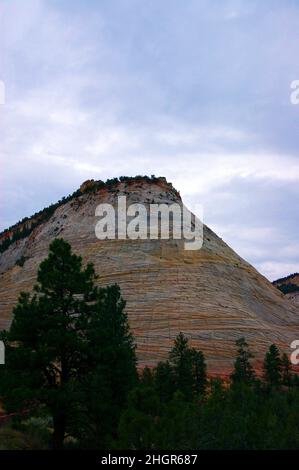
(275,270)
(95,91)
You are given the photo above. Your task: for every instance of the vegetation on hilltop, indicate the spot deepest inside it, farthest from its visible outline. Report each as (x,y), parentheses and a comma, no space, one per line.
(288,288)
(285,284)
(24,227)
(286,278)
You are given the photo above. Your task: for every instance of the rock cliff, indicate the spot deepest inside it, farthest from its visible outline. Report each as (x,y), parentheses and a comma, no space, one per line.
(212,295)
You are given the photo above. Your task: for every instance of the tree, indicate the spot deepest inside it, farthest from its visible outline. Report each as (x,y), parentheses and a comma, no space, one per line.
(180,358)
(66,331)
(147,377)
(286,371)
(137,426)
(45,342)
(199,372)
(273,366)
(164,381)
(188,366)
(178,427)
(111,372)
(243,370)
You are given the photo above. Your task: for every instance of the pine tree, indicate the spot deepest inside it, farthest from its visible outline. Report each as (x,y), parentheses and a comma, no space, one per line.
(178,427)
(66,335)
(273,366)
(164,381)
(147,378)
(199,372)
(243,370)
(45,343)
(180,358)
(111,370)
(188,367)
(138,423)
(286,371)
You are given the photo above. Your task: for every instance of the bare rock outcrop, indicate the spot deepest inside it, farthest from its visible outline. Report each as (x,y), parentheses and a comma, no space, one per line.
(212,295)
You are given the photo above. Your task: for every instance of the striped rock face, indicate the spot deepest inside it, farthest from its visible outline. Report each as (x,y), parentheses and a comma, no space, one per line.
(294,298)
(211,295)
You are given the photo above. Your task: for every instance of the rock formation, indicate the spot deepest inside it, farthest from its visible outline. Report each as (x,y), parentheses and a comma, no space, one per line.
(212,295)
(289,285)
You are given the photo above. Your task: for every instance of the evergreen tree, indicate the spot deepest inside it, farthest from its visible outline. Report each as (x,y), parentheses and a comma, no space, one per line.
(45,344)
(164,381)
(180,358)
(188,367)
(66,334)
(199,372)
(273,366)
(111,371)
(137,426)
(286,371)
(243,370)
(147,377)
(178,427)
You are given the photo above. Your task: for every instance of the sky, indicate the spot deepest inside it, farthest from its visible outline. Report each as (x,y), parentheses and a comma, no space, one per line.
(197,91)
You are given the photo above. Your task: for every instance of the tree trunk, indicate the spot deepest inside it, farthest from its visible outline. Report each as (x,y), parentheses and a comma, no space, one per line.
(59,422)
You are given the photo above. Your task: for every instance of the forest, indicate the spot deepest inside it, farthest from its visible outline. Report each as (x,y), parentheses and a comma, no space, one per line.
(71,378)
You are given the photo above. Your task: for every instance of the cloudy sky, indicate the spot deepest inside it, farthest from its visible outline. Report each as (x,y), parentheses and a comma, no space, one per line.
(197,91)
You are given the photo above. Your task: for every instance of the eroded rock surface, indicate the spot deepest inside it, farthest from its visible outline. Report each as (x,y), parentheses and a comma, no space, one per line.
(212,295)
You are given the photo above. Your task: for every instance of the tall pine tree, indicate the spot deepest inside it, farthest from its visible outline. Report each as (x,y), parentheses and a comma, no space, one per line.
(243,370)
(111,372)
(273,366)
(286,370)
(188,367)
(68,330)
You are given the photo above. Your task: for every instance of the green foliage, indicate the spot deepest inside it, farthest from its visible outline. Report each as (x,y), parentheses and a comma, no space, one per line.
(273,366)
(246,414)
(138,426)
(111,371)
(164,381)
(286,373)
(285,284)
(246,418)
(71,370)
(286,278)
(178,425)
(147,377)
(189,368)
(13,439)
(243,370)
(67,335)
(288,288)
(199,372)
(180,359)
(25,227)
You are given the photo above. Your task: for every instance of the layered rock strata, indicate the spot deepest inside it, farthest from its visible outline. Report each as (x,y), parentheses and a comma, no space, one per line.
(212,295)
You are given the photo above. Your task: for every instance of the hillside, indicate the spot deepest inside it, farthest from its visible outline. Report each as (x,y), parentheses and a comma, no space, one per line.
(212,295)
(289,286)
